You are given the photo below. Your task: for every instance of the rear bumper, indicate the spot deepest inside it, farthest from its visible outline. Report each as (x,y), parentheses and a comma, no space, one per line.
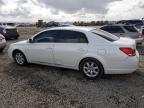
(127,66)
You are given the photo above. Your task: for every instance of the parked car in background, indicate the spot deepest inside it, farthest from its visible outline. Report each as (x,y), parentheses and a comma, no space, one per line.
(124,31)
(53,24)
(7,24)
(9,32)
(2,43)
(92,51)
(142,31)
(66,25)
(137,23)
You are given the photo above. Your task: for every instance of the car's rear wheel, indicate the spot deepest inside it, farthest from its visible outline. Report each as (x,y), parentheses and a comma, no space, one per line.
(20,58)
(91,68)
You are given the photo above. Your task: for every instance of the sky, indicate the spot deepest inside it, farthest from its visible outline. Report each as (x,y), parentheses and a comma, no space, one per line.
(70,10)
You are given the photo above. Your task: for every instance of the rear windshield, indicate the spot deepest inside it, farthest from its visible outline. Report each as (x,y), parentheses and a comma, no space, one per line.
(130,28)
(105,35)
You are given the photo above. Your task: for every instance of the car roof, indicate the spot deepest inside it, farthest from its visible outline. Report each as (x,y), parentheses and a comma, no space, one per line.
(117,25)
(130,20)
(8,27)
(75,28)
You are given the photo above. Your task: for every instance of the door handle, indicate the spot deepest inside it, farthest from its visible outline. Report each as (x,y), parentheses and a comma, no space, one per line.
(49,48)
(81,49)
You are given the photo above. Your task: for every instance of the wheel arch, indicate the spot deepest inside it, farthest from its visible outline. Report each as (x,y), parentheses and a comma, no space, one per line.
(87,58)
(16,50)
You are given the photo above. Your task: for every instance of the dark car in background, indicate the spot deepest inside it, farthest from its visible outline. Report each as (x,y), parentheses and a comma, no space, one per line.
(137,23)
(9,32)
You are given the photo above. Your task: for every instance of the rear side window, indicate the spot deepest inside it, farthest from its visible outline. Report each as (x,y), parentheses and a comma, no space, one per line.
(113,29)
(67,36)
(130,28)
(105,35)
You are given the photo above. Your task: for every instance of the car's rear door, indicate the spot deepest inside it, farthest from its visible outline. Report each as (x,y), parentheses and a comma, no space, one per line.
(69,47)
(41,51)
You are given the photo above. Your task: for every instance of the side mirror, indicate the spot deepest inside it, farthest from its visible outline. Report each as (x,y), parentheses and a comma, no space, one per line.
(31,41)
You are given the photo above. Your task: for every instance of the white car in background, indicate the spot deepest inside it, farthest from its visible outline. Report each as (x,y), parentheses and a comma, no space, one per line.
(2,42)
(92,51)
(124,31)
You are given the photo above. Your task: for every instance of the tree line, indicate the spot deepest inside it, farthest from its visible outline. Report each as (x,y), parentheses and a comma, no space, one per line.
(41,23)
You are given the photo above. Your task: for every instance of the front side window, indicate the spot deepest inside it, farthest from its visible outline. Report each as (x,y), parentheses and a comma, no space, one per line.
(67,36)
(44,37)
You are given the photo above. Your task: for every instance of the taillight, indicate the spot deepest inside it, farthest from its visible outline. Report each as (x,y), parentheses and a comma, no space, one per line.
(128,51)
(2,37)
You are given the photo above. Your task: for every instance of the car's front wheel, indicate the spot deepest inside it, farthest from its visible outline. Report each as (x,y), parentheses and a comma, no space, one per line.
(20,58)
(91,68)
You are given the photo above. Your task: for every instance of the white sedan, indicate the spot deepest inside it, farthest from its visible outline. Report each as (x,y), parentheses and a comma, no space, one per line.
(92,51)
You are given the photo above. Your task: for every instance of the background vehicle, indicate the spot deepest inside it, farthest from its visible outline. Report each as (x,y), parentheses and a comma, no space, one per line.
(2,42)
(124,31)
(137,23)
(66,25)
(9,32)
(8,24)
(93,52)
(142,31)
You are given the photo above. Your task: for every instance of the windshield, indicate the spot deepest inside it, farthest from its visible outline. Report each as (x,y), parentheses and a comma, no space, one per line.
(105,35)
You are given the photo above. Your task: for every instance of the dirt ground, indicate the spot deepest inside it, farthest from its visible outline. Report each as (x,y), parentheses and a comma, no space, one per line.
(37,86)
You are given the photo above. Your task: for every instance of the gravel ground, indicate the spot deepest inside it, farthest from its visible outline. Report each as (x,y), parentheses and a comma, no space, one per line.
(37,86)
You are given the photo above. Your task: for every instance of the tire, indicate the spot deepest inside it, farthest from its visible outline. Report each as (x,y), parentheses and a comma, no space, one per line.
(20,58)
(16,38)
(91,68)
(1,50)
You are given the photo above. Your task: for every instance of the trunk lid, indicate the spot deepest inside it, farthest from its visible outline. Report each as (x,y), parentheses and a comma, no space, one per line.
(125,42)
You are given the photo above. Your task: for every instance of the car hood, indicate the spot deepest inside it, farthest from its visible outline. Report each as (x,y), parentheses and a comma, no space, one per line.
(21,42)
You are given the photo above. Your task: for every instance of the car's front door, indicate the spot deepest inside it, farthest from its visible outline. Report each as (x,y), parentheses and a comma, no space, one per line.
(69,47)
(41,50)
